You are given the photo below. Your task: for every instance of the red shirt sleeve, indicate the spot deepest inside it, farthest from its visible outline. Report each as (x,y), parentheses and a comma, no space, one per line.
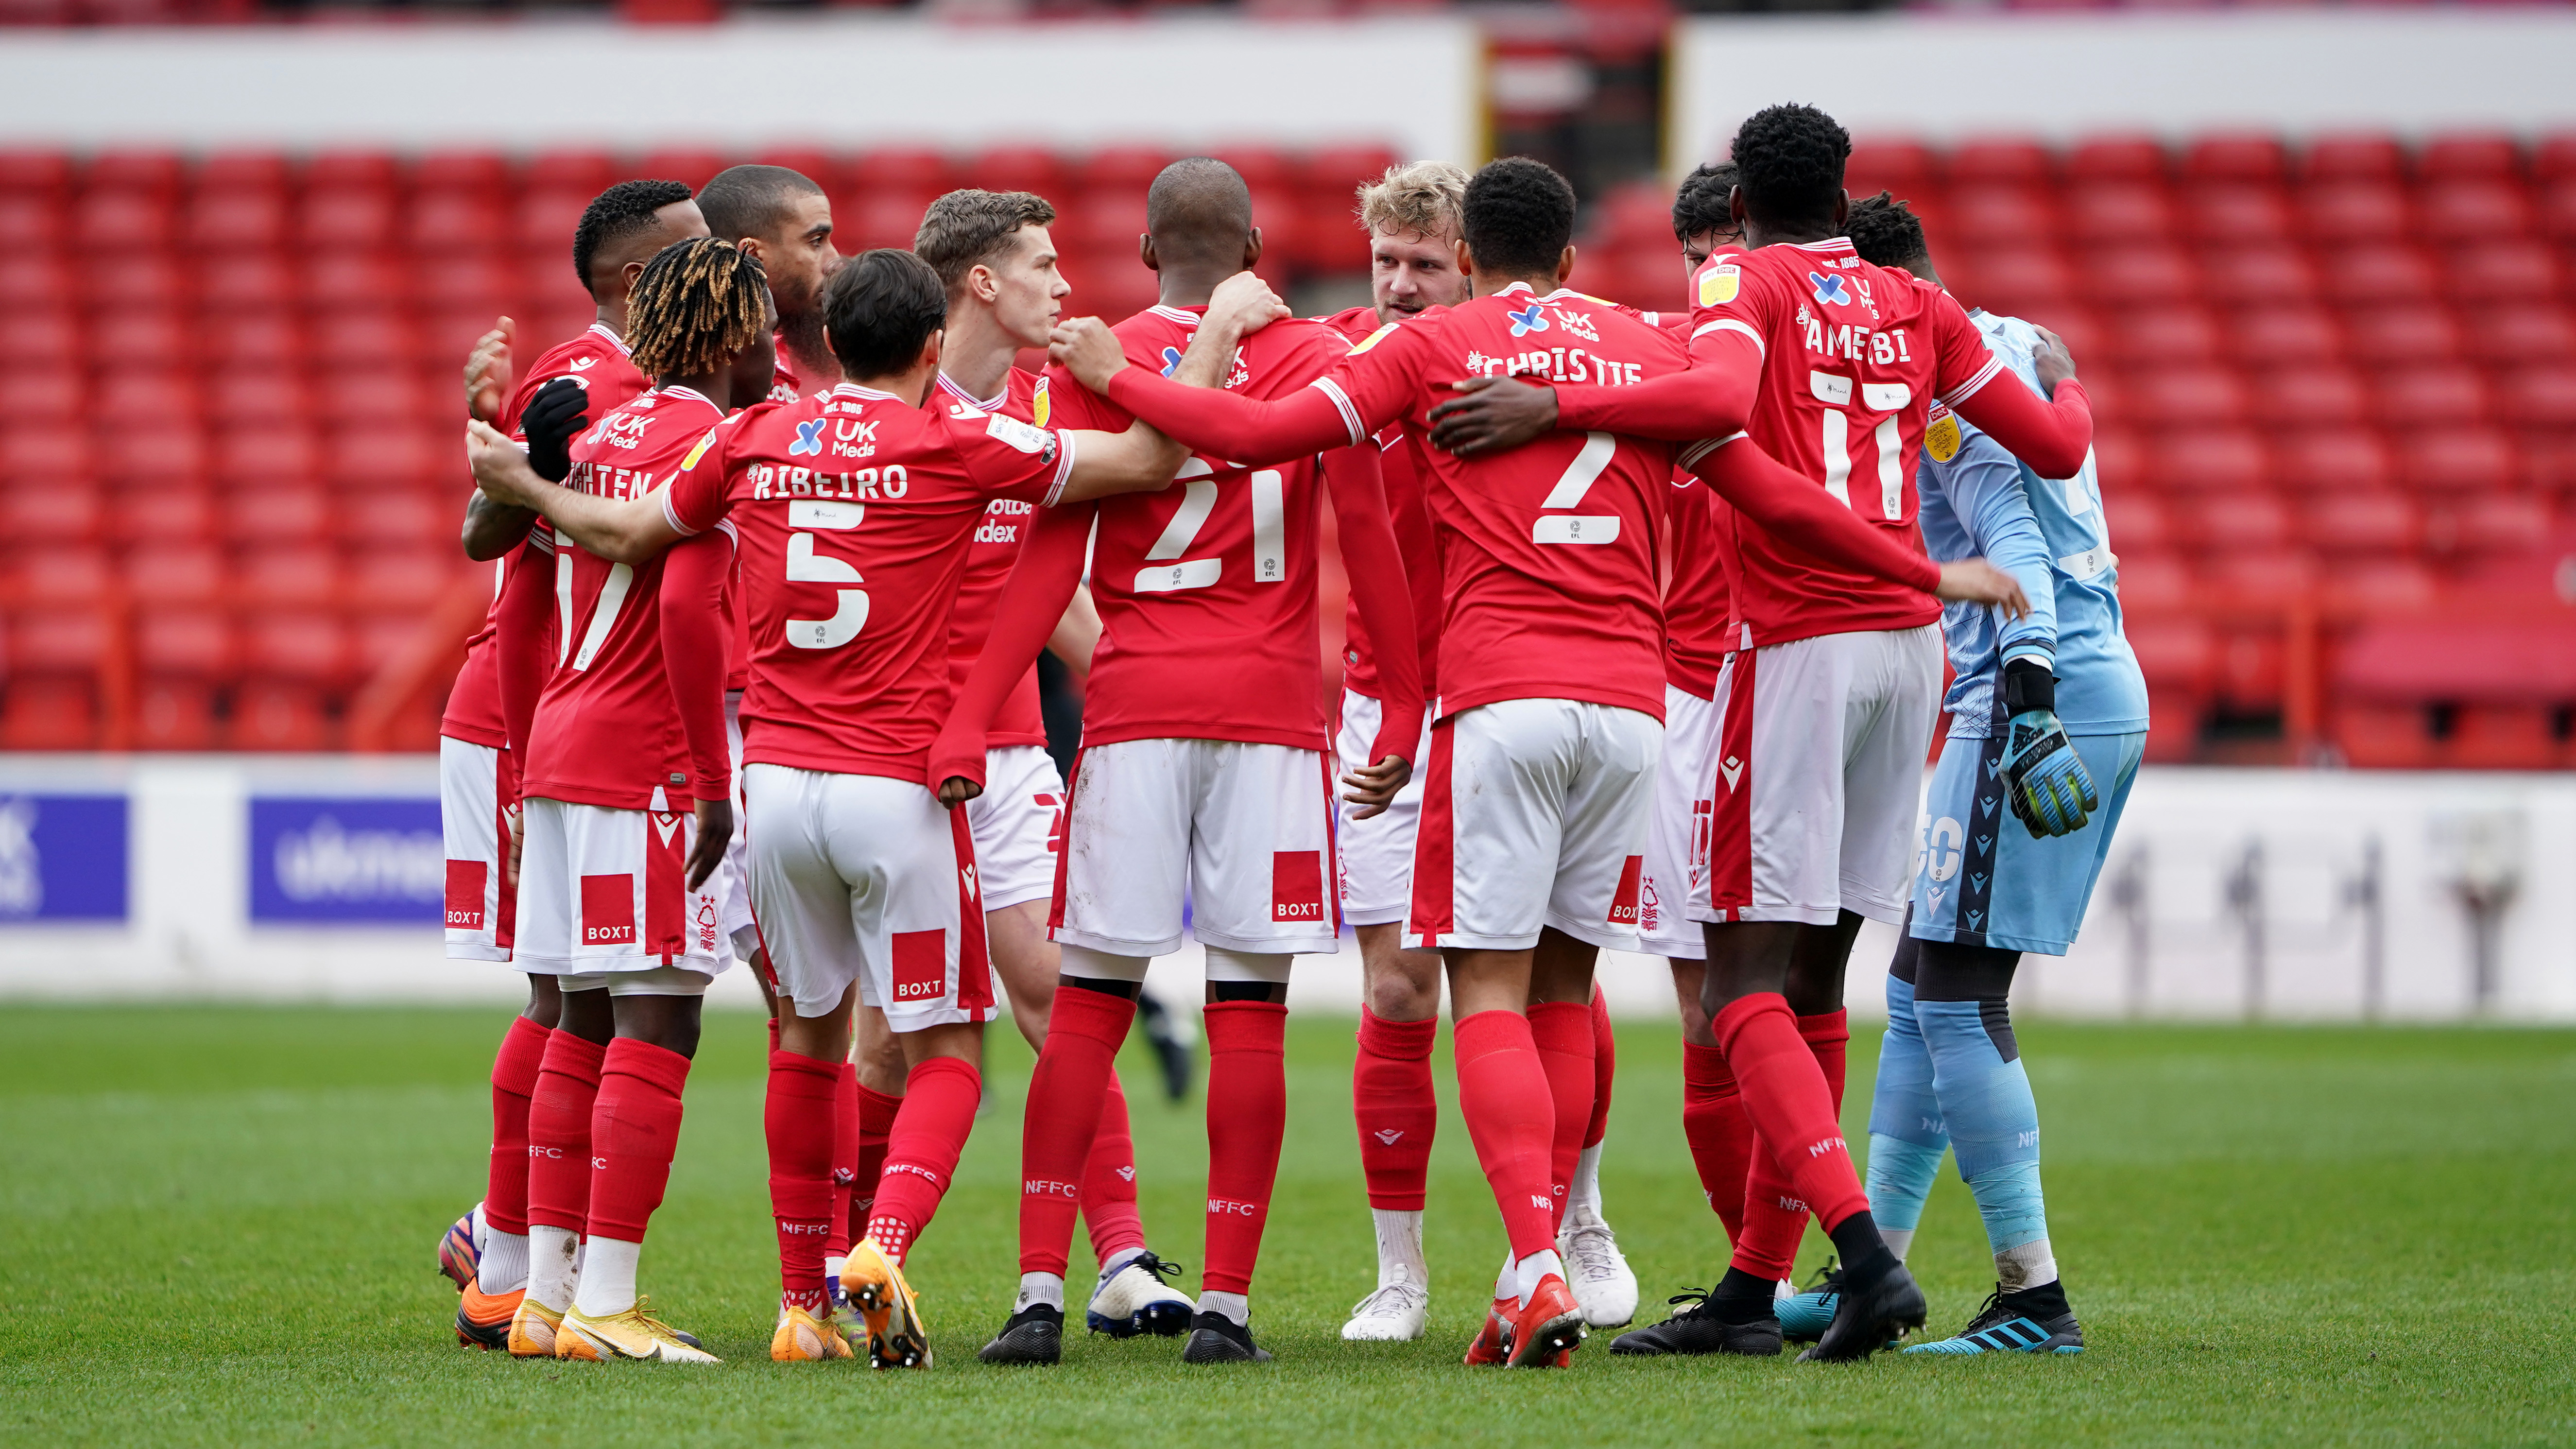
(1009,458)
(519,659)
(701,493)
(1380,589)
(2051,434)
(1371,387)
(1806,515)
(1032,600)
(1732,309)
(693,653)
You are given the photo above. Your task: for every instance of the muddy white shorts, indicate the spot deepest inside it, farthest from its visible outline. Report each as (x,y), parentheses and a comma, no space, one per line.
(1242,832)
(1534,815)
(1019,825)
(1819,777)
(867,879)
(1677,829)
(1377,853)
(477,830)
(731,884)
(604,890)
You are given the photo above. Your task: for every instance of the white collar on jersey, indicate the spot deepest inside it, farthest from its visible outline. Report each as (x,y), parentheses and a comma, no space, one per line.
(1829,245)
(992,404)
(1181,315)
(1533,291)
(682,390)
(602,329)
(852,389)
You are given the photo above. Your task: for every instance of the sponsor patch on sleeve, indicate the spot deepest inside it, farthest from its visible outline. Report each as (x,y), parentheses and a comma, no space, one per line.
(1372,340)
(1719,284)
(1941,435)
(698,452)
(1040,441)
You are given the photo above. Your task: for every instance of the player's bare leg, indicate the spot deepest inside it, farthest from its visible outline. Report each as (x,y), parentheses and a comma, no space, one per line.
(1398,1112)
(1503,1092)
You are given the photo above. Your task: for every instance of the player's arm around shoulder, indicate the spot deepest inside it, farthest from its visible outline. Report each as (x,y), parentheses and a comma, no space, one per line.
(625,531)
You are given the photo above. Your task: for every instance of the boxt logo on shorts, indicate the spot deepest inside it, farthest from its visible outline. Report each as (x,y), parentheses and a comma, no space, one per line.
(920,967)
(608,910)
(1297,885)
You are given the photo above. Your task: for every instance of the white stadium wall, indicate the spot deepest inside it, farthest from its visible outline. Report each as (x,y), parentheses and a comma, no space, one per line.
(1946,77)
(840,80)
(2229,892)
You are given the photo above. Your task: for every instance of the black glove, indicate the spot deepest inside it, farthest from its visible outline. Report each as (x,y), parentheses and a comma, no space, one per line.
(558,411)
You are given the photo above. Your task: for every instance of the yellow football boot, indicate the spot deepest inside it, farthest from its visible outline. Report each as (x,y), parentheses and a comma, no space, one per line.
(535,1330)
(804,1338)
(633,1334)
(896,1337)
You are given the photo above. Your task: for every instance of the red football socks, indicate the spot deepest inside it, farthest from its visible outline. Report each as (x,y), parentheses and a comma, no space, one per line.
(845,1161)
(1247,1117)
(514,1081)
(1067,1093)
(1784,1093)
(939,1101)
(1109,1181)
(634,1126)
(1605,1067)
(876,1119)
(798,1118)
(1562,1031)
(1503,1094)
(1397,1108)
(1720,1137)
(1828,1035)
(559,1132)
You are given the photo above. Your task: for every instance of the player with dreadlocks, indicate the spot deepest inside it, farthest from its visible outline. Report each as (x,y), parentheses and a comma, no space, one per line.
(615,894)
(486,1252)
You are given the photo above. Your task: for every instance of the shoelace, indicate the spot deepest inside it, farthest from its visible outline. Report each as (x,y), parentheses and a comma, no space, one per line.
(1388,1301)
(1827,1279)
(1989,1313)
(655,1326)
(1155,1265)
(1697,1298)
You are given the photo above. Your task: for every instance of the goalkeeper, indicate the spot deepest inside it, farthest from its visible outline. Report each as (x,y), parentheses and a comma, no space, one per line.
(2048,720)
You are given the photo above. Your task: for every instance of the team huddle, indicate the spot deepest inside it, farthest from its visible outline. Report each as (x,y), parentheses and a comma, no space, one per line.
(1647,631)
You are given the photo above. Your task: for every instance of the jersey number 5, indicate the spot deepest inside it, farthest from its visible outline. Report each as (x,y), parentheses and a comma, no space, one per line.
(1198,501)
(805,566)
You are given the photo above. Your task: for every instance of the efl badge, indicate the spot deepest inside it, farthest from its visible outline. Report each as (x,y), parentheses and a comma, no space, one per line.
(1372,340)
(1040,404)
(1941,436)
(698,452)
(1718,285)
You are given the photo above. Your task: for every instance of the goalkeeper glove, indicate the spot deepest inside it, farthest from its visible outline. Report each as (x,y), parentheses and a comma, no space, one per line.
(553,416)
(2045,781)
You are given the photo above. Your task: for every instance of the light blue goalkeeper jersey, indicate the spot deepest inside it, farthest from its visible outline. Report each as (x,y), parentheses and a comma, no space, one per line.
(1978,499)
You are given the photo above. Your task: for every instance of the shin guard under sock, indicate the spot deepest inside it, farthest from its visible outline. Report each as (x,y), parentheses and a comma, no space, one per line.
(1720,1137)
(1775,1218)
(798,1120)
(1502,1092)
(939,1101)
(514,1081)
(559,1132)
(1067,1092)
(1397,1108)
(845,1160)
(634,1127)
(1247,1117)
(1785,1094)
(1562,1032)
(1109,1181)
(1605,1067)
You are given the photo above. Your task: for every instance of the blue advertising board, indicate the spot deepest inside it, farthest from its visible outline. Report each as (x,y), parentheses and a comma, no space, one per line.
(62,857)
(346,858)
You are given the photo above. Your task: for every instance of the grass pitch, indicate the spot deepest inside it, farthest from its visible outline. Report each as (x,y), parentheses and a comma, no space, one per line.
(220,1226)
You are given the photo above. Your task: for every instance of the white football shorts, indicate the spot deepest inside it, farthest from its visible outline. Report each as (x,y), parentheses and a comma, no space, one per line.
(1241,832)
(1376,854)
(1534,815)
(1677,829)
(605,890)
(1819,777)
(731,884)
(476,827)
(1019,826)
(867,879)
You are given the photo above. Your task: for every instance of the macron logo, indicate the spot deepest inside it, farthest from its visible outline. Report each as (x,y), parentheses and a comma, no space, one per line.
(1733,769)
(1127,1174)
(1388,1135)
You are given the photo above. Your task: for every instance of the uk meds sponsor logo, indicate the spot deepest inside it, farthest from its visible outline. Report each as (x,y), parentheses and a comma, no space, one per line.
(347,858)
(62,858)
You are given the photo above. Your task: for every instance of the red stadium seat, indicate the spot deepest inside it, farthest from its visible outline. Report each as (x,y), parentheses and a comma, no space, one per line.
(2374,521)
(2017,281)
(2348,213)
(180,573)
(691,166)
(2132,158)
(2119,213)
(546,219)
(164,514)
(2476,210)
(2479,154)
(1020,168)
(884,219)
(2310,397)
(258,398)
(352,170)
(462,171)
(140,333)
(252,171)
(56,640)
(48,714)
(905,169)
(2186,397)
(124,219)
(2434,395)
(2553,158)
(280,714)
(57,574)
(2521,331)
(2150,582)
(276,573)
(372,396)
(134,168)
(374,337)
(175,713)
(46,458)
(1990,215)
(2502,272)
(30,221)
(250,284)
(32,279)
(368,459)
(46,338)
(823,168)
(253,339)
(587,173)
(2539,396)
(166,456)
(396,580)
(2252,157)
(306,647)
(2260,579)
(2118,459)
(346,218)
(486,284)
(2236,215)
(2457,460)
(52,511)
(191,643)
(444,221)
(2159,335)
(282,453)
(2354,156)
(275,513)
(45,398)
(2141,522)
(2015,161)
(2377,275)
(2382,585)
(338,280)
(27,171)
(2259,277)
(2490,523)
(2205,457)
(236,221)
(1121,168)
(2247,520)
(2137,276)
(408,524)
(2425,659)
(2276,336)
(2404,334)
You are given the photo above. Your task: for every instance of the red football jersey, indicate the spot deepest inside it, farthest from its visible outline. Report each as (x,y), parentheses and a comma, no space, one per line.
(1698,604)
(607,730)
(597,360)
(988,566)
(1548,551)
(1401,470)
(1853,356)
(1206,590)
(784,385)
(855,511)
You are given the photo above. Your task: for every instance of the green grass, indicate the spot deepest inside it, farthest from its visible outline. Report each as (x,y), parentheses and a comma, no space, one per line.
(219,1226)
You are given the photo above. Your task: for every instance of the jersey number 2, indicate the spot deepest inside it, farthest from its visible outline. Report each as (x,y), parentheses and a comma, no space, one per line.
(805,566)
(1590,462)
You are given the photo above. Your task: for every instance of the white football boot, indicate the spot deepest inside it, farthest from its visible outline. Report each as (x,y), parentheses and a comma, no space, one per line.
(1603,1285)
(1395,1313)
